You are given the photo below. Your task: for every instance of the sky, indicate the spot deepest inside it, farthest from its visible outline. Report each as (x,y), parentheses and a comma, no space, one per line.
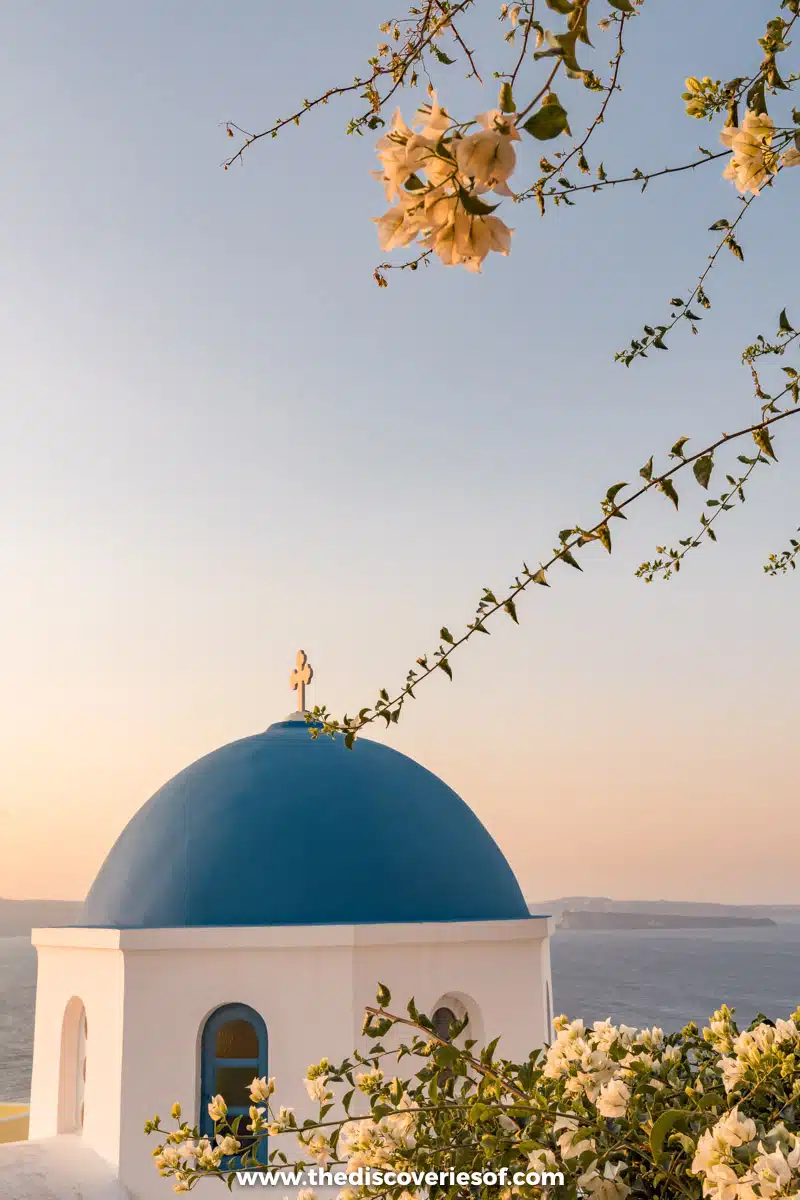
(220,441)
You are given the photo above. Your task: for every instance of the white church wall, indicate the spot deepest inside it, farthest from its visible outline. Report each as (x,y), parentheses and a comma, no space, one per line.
(92,973)
(309,984)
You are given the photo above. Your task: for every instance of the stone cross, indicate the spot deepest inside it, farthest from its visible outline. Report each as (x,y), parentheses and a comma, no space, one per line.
(300,676)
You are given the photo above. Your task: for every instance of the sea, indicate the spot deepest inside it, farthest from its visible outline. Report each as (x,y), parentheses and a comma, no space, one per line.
(640,977)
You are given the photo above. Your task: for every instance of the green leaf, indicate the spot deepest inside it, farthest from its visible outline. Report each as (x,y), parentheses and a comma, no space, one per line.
(668,488)
(723,224)
(506,103)
(383,996)
(447,1056)
(783,324)
(511,608)
(677,449)
(734,247)
(756,99)
(473,205)
(549,122)
(446,635)
(604,535)
(647,470)
(702,469)
(568,558)
(669,1120)
(478,627)
(764,442)
(442,57)
(540,577)
(613,490)
(445,666)
(622,5)
(560,6)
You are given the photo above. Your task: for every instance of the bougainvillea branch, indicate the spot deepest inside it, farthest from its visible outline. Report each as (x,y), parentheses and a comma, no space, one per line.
(571,541)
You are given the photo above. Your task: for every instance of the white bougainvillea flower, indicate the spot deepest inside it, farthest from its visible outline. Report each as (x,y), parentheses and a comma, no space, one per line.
(754,162)
(261,1089)
(500,122)
(397,227)
(433,121)
(467,240)
(613,1099)
(713,1156)
(319,1149)
(488,157)
(572,1141)
(431,156)
(392,151)
(210,1158)
(608,1186)
(428,174)
(217,1109)
(170,1156)
(228,1144)
(317,1088)
(400,1126)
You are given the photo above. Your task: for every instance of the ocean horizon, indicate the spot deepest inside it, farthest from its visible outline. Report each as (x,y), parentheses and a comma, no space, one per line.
(640,977)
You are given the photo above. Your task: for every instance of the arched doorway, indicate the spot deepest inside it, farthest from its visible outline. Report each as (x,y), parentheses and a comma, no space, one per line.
(72,1068)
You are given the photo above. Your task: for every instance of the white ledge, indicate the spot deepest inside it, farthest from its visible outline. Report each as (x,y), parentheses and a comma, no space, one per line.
(251,937)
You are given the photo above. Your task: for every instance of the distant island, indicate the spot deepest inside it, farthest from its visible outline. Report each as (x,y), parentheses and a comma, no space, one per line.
(631,920)
(19,917)
(590,913)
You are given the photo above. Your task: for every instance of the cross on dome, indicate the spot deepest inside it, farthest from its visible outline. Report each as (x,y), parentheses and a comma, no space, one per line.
(300,676)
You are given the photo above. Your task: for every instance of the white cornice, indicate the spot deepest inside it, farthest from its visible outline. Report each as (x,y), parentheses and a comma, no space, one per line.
(266,937)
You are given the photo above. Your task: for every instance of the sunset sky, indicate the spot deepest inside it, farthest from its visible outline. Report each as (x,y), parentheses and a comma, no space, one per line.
(221,442)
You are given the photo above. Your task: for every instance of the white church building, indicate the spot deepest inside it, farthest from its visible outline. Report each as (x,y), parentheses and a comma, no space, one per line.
(239,926)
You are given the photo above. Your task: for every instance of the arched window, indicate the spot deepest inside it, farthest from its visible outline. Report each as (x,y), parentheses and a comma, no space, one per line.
(442,1019)
(234,1052)
(72,1068)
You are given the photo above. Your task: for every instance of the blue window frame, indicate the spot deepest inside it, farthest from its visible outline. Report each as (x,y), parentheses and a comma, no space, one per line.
(233,1051)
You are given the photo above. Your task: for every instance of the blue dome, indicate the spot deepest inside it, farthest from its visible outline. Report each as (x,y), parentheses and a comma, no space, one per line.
(283,829)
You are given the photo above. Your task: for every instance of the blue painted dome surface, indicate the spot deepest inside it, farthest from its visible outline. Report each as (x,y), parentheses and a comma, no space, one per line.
(283,829)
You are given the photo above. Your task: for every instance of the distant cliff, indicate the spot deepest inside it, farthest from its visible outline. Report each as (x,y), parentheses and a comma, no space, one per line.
(585,919)
(19,917)
(650,912)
